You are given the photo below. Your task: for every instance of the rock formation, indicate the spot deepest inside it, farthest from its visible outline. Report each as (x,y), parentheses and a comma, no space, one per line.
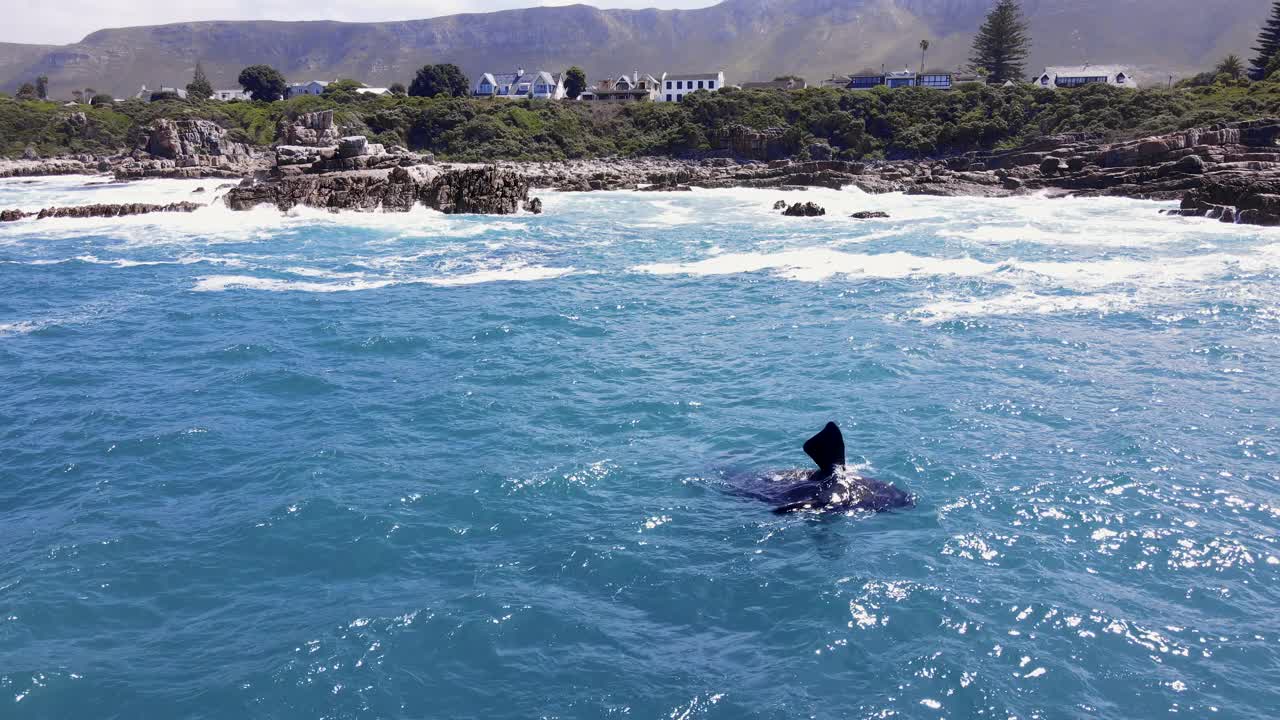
(99,210)
(483,189)
(188,149)
(808,209)
(313,129)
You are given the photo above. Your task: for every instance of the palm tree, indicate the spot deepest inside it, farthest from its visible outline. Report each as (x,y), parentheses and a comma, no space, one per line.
(1231,65)
(924,48)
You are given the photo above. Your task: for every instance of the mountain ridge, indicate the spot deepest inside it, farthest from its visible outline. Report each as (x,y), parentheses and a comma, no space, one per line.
(749,39)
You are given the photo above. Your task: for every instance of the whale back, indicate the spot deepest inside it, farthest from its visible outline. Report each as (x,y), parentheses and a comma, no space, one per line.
(826,448)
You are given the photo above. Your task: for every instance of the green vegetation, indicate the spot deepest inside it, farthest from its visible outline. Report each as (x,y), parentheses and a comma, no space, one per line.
(199,88)
(575,81)
(1001,45)
(263,82)
(444,79)
(879,123)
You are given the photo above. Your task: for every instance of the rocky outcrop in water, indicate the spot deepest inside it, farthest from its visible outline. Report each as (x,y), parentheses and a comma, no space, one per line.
(482,189)
(808,209)
(99,210)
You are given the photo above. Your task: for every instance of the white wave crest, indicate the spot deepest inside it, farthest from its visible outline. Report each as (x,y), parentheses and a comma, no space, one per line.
(353,282)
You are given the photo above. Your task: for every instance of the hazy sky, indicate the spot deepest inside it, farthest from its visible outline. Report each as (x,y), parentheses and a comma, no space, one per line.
(67,21)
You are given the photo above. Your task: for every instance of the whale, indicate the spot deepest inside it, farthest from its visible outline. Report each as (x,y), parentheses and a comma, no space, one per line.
(832,487)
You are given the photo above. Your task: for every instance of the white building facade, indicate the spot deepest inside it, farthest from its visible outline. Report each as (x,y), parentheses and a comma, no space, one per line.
(1077,75)
(521,85)
(675,87)
(228,95)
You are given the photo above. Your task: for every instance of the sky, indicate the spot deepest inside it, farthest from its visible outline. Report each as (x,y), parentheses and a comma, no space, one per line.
(59,22)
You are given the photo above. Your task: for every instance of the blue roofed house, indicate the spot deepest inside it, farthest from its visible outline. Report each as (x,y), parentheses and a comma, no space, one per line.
(315,87)
(519,85)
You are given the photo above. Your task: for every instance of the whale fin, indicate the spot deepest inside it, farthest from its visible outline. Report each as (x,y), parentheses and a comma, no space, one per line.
(826,448)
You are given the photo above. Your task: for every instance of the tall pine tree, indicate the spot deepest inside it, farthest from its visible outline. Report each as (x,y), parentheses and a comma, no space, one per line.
(1000,47)
(1268,41)
(199,87)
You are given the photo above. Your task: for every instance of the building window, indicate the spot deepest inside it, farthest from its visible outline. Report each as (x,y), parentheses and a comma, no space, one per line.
(936,81)
(1120,79)
(1044,81)
(679,98)
(668,95)
(668,84)
(700,85)
(711,84)
(1079,80)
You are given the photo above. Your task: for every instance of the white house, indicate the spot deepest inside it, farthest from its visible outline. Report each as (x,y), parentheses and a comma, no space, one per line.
(373,91)
(226,95)
(624,88)
(1077,75)
(315,87)
(675,87)
(519,85)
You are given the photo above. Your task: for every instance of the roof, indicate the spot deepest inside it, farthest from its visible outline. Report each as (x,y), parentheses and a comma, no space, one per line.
(866,72)
(696,76)
(1084,71)
(937,71)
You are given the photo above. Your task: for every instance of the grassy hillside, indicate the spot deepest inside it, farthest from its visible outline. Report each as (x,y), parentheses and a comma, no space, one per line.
(879,123)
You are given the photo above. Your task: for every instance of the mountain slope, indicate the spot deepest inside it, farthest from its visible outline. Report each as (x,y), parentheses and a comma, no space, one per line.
(749,39)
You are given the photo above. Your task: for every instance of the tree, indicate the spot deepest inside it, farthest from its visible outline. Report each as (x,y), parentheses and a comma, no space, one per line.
(27,92)
(262,82)
(1231,65)
(102,99)
(345,85)
(1268,41)
(575,81)
(42,87)
(924,49)
(445,78)
(1001,45)
(199,87)
(398,89)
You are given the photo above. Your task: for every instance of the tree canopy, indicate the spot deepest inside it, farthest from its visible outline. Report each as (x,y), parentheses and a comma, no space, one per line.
(263,82)
(575,81)
(1231,65)
(398,89)
(445,78)
(1268,41)
(199,87)
(1001,45)
(42,87)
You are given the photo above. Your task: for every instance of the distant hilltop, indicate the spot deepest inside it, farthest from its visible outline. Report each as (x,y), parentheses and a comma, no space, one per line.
(748,39)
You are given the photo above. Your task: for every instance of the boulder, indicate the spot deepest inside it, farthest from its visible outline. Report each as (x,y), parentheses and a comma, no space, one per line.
(1076,163)
(197,140)
(780,205)
(534,206)
(353,146)
(1191,164)
(1052,166)
(869,215)
(808,209)
(30,153)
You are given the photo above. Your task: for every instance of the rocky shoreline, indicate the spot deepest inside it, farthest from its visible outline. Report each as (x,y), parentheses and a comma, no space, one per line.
(1230,172)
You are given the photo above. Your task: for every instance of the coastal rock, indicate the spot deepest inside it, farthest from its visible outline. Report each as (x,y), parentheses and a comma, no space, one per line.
(780,205)
(181,139)
(1193,164)
(808,209)
(99,210)
(313,129)
(534,206)
(1052,166)
(485,189)
(30,153)
(869,215)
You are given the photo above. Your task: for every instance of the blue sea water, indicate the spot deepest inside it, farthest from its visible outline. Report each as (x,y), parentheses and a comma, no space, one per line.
(417,466)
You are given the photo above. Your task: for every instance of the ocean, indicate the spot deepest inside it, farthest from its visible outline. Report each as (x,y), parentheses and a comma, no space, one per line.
(422,466)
